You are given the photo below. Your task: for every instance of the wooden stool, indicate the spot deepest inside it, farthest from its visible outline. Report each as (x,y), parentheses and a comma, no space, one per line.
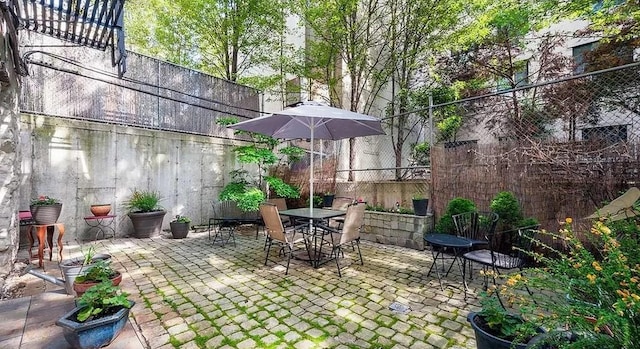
(41,231)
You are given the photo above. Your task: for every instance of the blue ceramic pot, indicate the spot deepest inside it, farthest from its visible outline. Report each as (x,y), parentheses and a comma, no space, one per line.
(93,333)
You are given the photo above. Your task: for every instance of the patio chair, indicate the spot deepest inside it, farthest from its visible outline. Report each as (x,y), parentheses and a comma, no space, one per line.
(348,234)
(339,203)
(225,220)
(277,233)
(514,255)
(475,226)
(281,204)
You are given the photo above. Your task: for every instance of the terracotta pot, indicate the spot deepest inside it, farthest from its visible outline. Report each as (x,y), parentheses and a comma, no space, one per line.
(81,288)
(100,209)
(45,214)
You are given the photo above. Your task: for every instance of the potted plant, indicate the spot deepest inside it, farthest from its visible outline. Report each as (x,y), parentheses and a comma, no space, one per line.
(180,227)
(45,209)
(601,263)
(101,314)
(420,204)
(95,274)
(145,213)
(327,199)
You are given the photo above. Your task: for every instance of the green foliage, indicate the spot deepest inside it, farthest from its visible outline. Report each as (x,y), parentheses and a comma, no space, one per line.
(420,153)
(504,323)
(588,285)
(281,188)
(317,201)
(181,219)
(97,272)
(247,198)
(253,154)
(143,201)
(380,208)
(293,153)
(456,206)
(448,127)
(506,205)
(44,200)
(99,298)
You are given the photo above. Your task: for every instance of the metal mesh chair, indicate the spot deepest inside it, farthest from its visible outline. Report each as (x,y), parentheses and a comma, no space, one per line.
(506,251)
(349,234)
(277,233)
(339,203)
(224,222)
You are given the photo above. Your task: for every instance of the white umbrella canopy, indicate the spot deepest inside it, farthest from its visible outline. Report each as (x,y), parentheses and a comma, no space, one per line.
(313,120)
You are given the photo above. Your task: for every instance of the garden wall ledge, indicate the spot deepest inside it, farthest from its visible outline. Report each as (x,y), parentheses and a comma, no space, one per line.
(396,229)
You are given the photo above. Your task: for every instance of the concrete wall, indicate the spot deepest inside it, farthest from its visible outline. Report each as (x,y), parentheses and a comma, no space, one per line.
(84,163)
(396,229)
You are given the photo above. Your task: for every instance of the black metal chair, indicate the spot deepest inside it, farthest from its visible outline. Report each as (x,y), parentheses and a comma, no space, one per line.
(225,220)
(507,250)
(475,226)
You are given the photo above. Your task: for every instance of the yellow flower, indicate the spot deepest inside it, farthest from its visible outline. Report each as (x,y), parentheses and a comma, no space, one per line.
(596,266)
(577,265)
(568,220)
(592,278)
(635,297)
(634,280)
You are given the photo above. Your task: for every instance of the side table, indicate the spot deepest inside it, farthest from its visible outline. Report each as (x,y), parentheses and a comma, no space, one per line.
(102,224)
(442,241)
(41,231)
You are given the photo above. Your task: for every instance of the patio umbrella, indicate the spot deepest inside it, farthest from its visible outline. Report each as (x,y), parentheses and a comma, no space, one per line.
(621,207)
(313,120)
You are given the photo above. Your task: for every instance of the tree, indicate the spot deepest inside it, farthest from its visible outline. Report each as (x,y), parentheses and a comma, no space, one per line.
(229,39)
(354,35)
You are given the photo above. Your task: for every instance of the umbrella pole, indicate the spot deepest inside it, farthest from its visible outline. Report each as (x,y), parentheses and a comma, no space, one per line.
(311,182)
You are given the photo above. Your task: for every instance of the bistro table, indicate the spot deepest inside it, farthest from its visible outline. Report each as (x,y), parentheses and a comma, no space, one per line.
(314,235)
(442,242)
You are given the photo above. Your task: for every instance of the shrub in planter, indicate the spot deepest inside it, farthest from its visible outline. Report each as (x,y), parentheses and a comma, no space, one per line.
(145,213)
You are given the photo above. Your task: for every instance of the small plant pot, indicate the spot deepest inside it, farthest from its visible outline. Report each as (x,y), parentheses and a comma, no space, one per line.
(101,209)
(327,200)
(420,206)
(485,340)
(81,288)
(45,214)
(179,230)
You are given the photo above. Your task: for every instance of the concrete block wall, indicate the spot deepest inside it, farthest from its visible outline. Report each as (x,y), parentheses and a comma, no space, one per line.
(396,229)
(83,163)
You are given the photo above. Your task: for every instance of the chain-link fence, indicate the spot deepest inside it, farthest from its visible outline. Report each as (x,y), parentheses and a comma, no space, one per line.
(562,147)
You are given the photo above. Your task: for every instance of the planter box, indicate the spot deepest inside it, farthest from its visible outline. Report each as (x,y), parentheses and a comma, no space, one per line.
(396,229)
(94,333)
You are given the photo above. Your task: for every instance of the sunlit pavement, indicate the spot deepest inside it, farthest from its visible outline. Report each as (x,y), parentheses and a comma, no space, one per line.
(191,294)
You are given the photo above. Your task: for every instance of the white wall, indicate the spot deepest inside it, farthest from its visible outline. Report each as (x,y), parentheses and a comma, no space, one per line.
(84,163)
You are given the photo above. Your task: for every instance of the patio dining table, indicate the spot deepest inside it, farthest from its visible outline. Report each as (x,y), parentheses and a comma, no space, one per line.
(314,235)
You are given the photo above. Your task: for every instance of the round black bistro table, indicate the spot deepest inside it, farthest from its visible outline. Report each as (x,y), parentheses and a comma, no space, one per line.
(442,242)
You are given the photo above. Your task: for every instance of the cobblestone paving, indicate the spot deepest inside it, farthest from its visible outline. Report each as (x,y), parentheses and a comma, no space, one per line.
(191,294)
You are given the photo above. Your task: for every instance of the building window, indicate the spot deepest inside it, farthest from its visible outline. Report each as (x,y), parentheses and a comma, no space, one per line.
(520,77)
(607,134)
(579,57)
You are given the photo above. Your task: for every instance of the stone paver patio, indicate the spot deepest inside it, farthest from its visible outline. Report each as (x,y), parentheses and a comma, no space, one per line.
(191,294)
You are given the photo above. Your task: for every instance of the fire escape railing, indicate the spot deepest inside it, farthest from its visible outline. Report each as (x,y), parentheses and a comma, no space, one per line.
(92,23)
